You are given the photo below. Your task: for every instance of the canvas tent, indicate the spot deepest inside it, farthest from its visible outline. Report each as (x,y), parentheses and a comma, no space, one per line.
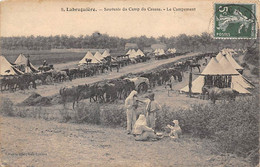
(98,56)
(238,78)
(233,62)
(89,56)
(105,54)
(139,53)
(215,68)
(133,54)
(129,52)
(7,69)
(25,62)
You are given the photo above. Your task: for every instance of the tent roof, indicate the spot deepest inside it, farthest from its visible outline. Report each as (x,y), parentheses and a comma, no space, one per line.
(233,62)
(197,85)
(139,52)
(227,66)
(6,68)
(128,53)
(219,56)
(98,56)
(88,56)
(214,68)
(22,60)
(105,54)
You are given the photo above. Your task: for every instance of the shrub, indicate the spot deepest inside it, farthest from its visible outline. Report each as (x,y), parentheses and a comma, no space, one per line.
(255,71)
(65,116)
(233,125)
(113,115)
(88,113)
(245,65)
(6,107)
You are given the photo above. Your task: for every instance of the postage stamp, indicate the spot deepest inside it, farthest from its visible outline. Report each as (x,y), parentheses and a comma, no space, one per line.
(235,21)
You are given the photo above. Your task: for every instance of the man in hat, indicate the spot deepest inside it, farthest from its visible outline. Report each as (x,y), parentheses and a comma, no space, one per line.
(151,108)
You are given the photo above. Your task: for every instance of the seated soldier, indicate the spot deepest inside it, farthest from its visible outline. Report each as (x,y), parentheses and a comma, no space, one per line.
(142,132)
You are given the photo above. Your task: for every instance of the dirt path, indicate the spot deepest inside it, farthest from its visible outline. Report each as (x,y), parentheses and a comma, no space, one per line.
(32,142)
(49,90)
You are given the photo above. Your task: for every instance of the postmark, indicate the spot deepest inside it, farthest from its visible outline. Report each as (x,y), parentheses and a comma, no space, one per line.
(237,21)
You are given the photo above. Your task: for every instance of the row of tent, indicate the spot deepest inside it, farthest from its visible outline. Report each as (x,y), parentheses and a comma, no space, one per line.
(159,52)
(222,65)
(134,54)
(6,68)
(96,58)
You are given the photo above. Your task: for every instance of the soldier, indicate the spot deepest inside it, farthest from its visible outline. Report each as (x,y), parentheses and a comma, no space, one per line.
(152,108)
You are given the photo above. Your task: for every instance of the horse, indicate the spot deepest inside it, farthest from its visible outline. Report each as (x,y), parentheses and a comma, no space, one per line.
(74,94)
(46,68)
(215,93)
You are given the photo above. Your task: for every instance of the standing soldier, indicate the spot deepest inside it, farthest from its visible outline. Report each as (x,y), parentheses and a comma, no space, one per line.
(131,106)
(151,108)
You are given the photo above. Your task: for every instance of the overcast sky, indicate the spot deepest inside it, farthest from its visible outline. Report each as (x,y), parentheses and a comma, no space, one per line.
(46,18)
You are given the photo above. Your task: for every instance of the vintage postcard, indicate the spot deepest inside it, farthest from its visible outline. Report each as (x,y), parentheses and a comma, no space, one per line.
(129,83)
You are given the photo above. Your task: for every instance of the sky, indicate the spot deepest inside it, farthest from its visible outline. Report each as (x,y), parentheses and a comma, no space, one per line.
(46,18)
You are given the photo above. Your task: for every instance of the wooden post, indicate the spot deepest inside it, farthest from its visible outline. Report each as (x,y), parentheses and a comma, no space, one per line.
(190,81)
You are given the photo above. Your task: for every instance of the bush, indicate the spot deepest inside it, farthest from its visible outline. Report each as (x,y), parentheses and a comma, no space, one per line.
(6,107)
(245,65)
(112,115)
(88,113)
(255,71)
(234,125)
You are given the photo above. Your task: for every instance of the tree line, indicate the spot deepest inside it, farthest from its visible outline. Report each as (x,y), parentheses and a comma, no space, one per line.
(182,42)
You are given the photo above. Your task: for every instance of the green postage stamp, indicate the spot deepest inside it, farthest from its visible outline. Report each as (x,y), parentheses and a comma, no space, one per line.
(235,21)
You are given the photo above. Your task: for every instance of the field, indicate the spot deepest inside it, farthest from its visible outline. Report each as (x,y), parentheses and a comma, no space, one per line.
(39,139)
(37,57)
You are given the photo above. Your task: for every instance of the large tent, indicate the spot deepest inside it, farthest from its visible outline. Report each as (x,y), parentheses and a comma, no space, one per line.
(90,57)
(139,52)
(237,78)
(7,69)
(129,52)
(133,54)
(215,68)
(105,54)
(25,62)
(98,56)
(228,53)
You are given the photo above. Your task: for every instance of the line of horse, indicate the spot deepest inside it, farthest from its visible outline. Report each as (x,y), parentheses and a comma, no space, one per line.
(111,90)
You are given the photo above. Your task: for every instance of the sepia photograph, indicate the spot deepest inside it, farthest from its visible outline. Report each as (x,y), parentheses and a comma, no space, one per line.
(121,83)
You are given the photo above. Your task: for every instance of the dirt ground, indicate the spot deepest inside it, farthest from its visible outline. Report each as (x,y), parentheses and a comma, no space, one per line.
(37,142)
(32,142)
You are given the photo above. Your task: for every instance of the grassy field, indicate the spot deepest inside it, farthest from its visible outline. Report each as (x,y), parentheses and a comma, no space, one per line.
(37,57)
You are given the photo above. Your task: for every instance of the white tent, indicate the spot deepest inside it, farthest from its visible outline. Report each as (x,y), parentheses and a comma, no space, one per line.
(6,68)
(219,56)
(213,68)
(236,78)
(22,60)
(98,56)
(161,52)
(129,52)
(89,56)
(133,54)
(139,52)
(105,54)
(219,68)
(233,62)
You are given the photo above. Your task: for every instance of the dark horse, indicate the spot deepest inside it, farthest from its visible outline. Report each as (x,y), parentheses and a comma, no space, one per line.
(215,93)
(46,68)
